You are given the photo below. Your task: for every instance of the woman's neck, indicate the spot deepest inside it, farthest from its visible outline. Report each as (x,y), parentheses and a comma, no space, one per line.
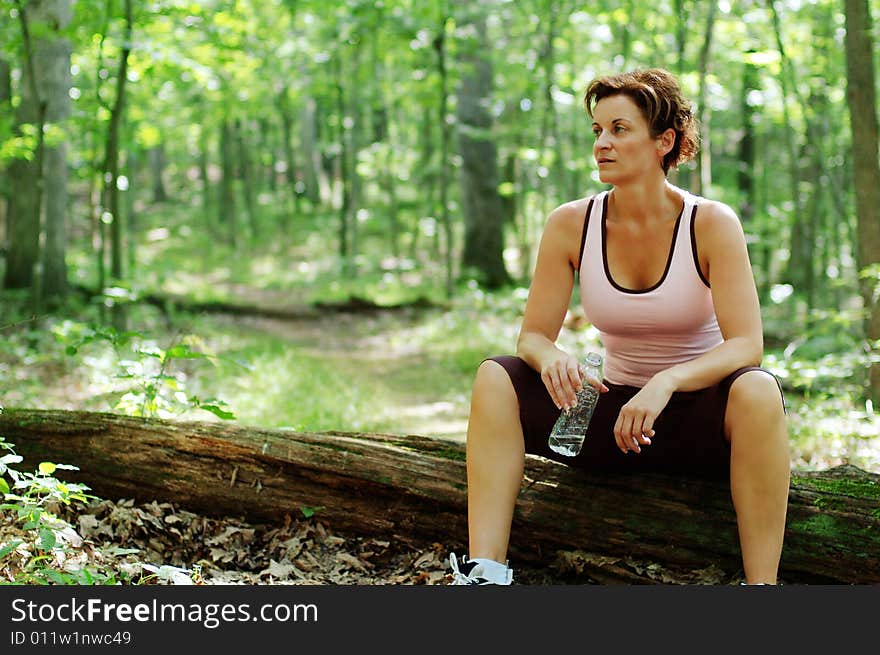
(644,202)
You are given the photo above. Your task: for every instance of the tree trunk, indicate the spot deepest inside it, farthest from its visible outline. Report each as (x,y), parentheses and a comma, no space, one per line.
(226,205)
(132,166)
(861,96)
(704,112)
(27,176)
(386,485)
(248,179)
(111,168)
(5,108)
(346,251)
(55,286)
(57,81)
(548,137)
(483,213)
(157,166)
(292,175)
(681,31)
(204,164)
(445,143)
(316,187)
(746,158)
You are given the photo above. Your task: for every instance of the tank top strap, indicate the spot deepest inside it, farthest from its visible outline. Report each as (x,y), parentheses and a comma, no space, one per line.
(592,217)
(688,245)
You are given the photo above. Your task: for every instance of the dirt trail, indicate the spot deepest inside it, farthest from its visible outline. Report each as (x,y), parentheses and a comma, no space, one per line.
(378,341)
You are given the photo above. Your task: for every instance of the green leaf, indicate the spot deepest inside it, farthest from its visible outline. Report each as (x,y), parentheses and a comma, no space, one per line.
(8,548)
(218,411)
(47,539)
(308,512)
(47,468)
(56,577)
(4,487)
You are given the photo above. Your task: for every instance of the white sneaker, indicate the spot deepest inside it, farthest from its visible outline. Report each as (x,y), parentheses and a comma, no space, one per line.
(479,571)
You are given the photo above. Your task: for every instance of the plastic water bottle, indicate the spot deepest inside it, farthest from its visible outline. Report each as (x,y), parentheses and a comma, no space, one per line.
(567,435)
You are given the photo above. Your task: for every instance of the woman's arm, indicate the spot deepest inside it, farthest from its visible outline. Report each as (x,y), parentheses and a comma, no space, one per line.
(724,256)
(548,301)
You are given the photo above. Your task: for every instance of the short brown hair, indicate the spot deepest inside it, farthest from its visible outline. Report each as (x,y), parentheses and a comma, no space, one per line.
(656,92)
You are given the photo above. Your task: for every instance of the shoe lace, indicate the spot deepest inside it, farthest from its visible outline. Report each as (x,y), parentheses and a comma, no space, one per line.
(459,578)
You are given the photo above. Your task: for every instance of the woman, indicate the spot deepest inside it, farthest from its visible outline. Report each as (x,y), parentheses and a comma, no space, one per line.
(665,277)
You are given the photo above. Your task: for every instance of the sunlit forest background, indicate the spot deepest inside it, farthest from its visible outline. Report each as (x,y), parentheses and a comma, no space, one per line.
(323,215)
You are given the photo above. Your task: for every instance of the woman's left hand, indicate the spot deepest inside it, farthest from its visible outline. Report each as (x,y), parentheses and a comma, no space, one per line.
(635,422)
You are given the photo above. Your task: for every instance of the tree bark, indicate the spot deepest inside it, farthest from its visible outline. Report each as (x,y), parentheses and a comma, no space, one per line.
(57,81)
(157,166)
(704,112)
(111,167)
(226,205)
(27,176)
(248,179)
(317,188)
(445,144)
(346,222)
(415,488)
(483,213)
(862,99)
(5,108)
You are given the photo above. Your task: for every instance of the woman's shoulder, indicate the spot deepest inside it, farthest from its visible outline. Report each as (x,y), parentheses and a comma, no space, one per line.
(569,215)
(716,222)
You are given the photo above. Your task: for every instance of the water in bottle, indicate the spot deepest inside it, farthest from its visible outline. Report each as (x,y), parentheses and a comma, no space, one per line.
(567,435)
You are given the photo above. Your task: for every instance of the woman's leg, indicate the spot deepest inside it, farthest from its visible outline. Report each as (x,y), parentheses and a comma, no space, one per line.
(760,471)
(495,461)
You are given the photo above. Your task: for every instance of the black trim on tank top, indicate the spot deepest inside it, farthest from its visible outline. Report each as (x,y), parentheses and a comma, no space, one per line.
(694,248)
(584,235)
(668,258)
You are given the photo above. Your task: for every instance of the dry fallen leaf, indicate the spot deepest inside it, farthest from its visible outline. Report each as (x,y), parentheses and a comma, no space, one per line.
(278,570)
(350,560)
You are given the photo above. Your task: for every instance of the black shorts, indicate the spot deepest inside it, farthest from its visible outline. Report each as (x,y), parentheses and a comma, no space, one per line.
(689,432)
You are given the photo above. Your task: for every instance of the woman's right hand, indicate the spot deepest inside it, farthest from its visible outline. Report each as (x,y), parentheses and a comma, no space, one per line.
(562,377)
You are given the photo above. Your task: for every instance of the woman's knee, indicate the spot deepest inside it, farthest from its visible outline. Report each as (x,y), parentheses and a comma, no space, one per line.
(492,377)
(755,389)
(493,396)
(754,395)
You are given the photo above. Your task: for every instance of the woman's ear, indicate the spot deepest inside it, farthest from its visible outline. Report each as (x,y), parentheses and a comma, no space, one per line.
(665,142)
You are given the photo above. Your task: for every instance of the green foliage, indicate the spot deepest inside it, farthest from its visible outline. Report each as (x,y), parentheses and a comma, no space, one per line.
(28,500)
(828,358)
(153,383)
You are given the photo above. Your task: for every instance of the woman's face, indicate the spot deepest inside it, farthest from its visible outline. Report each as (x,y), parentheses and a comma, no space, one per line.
(624,148)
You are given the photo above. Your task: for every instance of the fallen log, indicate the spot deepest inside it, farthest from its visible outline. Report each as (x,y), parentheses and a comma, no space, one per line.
(413,488)
(267,309)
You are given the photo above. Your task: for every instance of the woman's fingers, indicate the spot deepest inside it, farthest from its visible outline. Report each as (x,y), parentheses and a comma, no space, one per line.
(623,431)
(556,384)
(563,381)
(633,430)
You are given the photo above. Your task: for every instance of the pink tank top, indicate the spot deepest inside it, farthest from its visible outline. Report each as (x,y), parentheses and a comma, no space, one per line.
(648,330)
